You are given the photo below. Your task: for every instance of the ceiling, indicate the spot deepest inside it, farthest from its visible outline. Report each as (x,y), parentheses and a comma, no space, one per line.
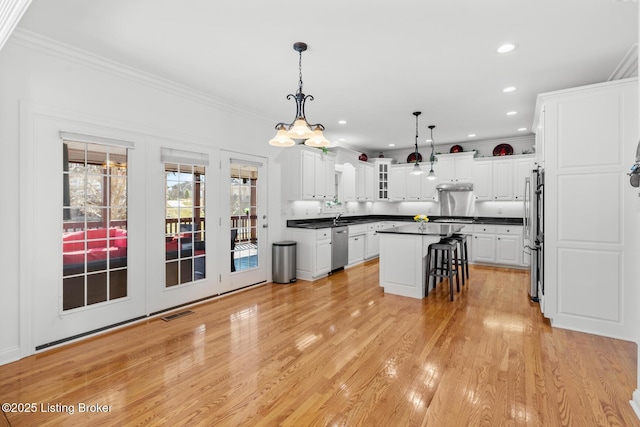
(370,62)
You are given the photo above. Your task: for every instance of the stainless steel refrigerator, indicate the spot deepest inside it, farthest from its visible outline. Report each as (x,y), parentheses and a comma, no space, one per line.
(534,232)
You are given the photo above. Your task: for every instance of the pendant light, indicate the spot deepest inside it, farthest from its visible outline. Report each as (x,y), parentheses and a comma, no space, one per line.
(300,129)
(432,175)
(417,170)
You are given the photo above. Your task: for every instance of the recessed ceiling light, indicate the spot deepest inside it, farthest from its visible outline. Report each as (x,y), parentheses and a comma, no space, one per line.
(521,129)
(392,145)
(507,47)
(509,89)
(471,135)
(512,113)
(342,122)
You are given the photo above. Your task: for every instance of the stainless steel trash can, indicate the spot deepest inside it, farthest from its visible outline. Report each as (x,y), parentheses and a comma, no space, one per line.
(284,262)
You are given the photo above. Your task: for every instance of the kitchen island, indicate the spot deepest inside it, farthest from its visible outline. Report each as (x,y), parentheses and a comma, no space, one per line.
(403,256)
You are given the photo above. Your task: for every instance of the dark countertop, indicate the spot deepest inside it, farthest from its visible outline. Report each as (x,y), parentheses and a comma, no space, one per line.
(428,229)
(316,223)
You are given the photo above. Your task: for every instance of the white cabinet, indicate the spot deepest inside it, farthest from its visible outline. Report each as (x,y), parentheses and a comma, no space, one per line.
(372,248)
(483,180)
(444,168)
(522,169)
(382,170)
(497,244)
(313,256)
(457,167)
(357,243)
(483,245)
(412,189)
(589,137)
(310,174)
(364,182)
(398,183)
(356,249)
(408,187)
(508,249)
(503,180)
(348,183)
(323,257)
(329,165)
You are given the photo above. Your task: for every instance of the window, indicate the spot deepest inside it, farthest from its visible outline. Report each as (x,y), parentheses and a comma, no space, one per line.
(94,226)
(184,223)
(243,215)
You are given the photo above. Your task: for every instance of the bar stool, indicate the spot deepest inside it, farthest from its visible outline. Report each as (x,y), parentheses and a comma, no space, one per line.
(447,250)
(463,261)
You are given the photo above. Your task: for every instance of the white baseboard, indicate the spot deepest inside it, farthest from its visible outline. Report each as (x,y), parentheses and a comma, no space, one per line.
(9,355)
(635,402)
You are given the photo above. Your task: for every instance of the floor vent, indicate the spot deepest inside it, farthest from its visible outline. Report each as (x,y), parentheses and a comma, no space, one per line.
(176,315)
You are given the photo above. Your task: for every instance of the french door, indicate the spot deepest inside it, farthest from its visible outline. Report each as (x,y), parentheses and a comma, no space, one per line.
(88,258)
(243,189)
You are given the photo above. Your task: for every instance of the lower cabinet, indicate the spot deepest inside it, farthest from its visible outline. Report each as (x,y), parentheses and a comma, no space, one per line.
(356,248)
(498,244)
(373,245)
(313,255)
(323,256)
(484,248)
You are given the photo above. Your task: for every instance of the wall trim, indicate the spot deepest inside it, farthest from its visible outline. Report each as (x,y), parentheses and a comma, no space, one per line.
(11,12)
(635,402)
(9,355)
(628,67)
(57,49)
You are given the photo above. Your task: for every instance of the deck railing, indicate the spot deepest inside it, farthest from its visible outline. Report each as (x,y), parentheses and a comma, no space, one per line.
(244,224)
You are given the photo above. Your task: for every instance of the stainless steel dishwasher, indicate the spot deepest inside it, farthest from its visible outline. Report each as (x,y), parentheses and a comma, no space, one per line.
(339,247)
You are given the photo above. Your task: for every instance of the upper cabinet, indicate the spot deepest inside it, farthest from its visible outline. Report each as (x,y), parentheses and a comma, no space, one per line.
(405,186)
(483,180)
(456,167)
(521,170)
(365,182)
(398,183)
(382,171)
(311,174)
(501,178)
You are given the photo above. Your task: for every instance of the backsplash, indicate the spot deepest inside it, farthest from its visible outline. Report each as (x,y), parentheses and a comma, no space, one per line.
(313,209)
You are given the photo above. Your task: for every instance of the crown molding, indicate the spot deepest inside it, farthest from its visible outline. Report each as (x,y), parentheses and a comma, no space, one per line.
(628,67)
(51,47)
(10,13)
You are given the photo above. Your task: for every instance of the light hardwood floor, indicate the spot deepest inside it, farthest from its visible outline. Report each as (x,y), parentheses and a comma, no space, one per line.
(339,352)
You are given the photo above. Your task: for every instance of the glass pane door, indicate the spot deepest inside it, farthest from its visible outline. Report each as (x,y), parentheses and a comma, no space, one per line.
(94,224)
(184,224)
(243,216)
(246,225)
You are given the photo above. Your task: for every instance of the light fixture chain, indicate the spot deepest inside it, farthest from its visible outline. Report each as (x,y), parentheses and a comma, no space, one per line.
(300,70)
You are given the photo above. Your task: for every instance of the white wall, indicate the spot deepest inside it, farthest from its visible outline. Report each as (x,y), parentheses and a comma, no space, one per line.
(35,72)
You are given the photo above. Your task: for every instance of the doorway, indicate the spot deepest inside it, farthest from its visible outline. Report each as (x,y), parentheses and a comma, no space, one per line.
(244,219)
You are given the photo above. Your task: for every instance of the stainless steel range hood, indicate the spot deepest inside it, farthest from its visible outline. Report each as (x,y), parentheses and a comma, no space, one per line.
(456,199)
(458,186)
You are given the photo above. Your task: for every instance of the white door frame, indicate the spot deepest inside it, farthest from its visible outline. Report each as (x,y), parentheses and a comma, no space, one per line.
(230,281)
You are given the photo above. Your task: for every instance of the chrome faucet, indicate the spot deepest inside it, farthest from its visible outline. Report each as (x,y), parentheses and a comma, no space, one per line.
(335,220)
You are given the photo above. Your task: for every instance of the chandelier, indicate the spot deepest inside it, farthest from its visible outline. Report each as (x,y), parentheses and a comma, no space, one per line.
(300,129)
(432,175)
(417,170)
